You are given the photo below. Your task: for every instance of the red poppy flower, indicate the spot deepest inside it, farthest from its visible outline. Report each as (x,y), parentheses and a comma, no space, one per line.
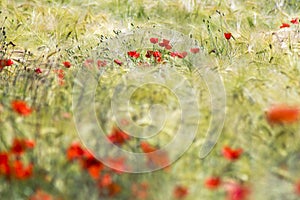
(74,151)
(4,164)
(149,54)
(21,107)
(40,195)
(118,165)
(105,181)
(21,172)
(195,50)
(165,43)
(180,192)
(158,159)
(118,136)
(140,190)
(133,54)
(67,64)
(113,189)
(5,63)
(61,75)
(91,165)
(297,188)
(295,21)
(182,54)
(101,63)
(231,154)
(20,145)
(282,114)
(213,182)
(156,54)
(154,40)
(227,35)
(285,25)
(236,191)
(118,62)
(38,71)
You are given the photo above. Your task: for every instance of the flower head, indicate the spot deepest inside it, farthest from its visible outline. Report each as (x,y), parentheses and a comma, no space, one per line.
(67,64)
(133,54)
(194,50)
(227,36)
(212,182)
(180,192)
(231,154)
(295,21)
(118,137)
(282,114)
(154,40)
(284,25)
(21,107)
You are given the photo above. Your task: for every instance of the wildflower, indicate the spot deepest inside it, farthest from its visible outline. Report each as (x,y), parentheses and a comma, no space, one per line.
(231,154)
(101,63)
(61,75)
(295,21)
(91,165)
(154,40)
(182,54)
(140,190)
(194,50)
(156,54)
(133,54)
(237,191)
(20,172)
(4,164)
(213,182)
(19,146)
(166,44)
(5,63)
(282,114)
(21,107)
(157,159)
(227,36)
(118,62)
(149,54)
(180,192)
(105,181)
(40,195)
(117,164)
(118,137)
(284,25)
(38,71)
(74,151)
(67,64)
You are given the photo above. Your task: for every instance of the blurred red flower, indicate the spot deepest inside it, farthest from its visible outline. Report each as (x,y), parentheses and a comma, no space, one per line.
(38,71)
(149,54)
(227,35)
(19,146)
(4,164)
(140,190)
(5,63)
(74,151)
(231,154)
(180,192)
(21,107)
(297,188)
(157,159)
(41,195)
(154,40)
(20,172)
(166,44)
(195,50)
(295,21)
(212,182)
(118,137)
(237,191)
(133,54)
(280,114)
(284,25)
(67,64)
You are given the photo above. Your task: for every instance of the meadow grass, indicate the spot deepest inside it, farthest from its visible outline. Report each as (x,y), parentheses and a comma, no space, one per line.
(259,66)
